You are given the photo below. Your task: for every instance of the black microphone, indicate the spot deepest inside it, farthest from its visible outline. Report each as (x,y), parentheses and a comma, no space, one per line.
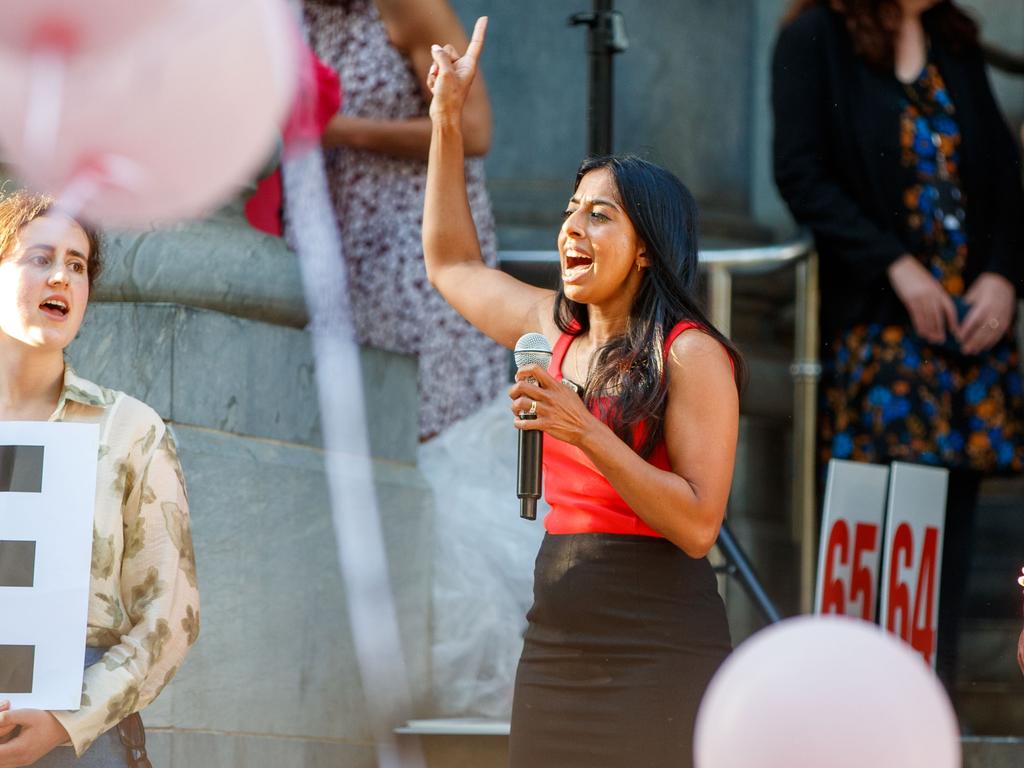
(532,348)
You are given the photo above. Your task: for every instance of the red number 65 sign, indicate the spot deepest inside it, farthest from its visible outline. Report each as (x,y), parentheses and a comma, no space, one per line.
(851,545)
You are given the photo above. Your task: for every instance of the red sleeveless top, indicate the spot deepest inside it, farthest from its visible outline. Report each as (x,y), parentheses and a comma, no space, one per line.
(581,499)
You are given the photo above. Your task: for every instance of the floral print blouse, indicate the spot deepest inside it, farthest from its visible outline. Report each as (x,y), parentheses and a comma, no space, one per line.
(143,600)
(888,394)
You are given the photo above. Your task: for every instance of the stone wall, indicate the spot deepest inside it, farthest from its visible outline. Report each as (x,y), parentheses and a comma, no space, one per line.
(273,680)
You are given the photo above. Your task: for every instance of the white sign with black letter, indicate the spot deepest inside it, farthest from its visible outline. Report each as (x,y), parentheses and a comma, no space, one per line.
(47,504)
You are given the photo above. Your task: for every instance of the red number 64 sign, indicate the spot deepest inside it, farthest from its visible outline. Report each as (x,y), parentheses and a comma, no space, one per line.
(915,518)
(881,541)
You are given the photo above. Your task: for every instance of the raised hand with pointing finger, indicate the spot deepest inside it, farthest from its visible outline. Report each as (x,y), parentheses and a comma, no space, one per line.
(451,75)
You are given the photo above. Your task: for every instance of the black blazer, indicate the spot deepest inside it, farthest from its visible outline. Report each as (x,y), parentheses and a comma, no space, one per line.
(837,165)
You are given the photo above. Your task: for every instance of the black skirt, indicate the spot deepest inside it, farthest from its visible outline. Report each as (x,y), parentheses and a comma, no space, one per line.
(624,635)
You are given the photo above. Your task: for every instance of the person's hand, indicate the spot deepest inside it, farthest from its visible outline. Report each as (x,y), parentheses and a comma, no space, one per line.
(931,309)
(992,299)
(40,732)
(1020,640)
(1020,652)
(560,411)
(451,75)
(5,730)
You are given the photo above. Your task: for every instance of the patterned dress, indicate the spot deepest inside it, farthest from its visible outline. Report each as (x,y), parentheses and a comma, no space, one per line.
(890,395)
(379,204)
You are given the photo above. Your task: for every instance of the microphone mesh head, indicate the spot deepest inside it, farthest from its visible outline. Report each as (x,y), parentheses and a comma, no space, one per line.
(532,349)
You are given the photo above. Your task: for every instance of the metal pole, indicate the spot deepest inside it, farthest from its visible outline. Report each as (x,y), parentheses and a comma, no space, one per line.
(720,297)
(740,567)
(720,310)
(606,36)
(805,371)
(600,109)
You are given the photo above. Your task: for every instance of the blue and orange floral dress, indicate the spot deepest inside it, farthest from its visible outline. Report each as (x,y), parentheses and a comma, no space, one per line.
(890,395)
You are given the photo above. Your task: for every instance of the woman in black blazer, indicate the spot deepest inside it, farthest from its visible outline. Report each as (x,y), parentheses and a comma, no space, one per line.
(889,146)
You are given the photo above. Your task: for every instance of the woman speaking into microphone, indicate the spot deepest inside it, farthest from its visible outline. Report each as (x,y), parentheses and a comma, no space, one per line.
(640,410)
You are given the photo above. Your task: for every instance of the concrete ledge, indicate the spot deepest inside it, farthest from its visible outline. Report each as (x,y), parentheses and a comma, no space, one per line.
(220,264)
(993,752)
(455,726)
(456,742)
(189,749)
(244,377)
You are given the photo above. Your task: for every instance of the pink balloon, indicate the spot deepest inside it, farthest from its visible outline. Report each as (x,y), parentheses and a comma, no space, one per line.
(74,26)
(825,691)
(166,123)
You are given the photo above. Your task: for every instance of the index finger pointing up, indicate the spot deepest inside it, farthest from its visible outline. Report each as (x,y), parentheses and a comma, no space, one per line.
(476,43)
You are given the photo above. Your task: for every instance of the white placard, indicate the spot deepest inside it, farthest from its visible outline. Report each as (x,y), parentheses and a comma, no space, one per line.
(913,555)
(851,535)
(44,605)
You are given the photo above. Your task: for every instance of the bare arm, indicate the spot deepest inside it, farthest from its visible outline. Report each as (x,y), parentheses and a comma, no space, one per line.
(413,25)
(687,504)
(401,138)
(499,305)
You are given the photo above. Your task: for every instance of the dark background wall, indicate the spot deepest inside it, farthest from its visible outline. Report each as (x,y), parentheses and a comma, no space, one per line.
(691,93)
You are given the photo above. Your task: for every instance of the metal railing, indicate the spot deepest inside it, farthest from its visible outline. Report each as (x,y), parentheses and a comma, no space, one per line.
(805,370)
(719,264)
(1006,61)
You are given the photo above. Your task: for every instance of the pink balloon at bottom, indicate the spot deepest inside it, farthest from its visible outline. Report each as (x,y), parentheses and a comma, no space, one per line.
(825,692)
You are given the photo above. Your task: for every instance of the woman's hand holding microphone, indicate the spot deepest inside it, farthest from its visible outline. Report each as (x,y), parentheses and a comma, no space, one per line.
(559,411)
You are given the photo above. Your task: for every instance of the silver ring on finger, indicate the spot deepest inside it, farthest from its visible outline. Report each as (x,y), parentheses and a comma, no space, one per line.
(533,408)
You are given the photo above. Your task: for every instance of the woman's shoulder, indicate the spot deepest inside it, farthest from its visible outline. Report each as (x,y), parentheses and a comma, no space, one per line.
(127,418)
(813,28)
(137,414)
(678,329)
(688,338)
(690,347)
(815,19)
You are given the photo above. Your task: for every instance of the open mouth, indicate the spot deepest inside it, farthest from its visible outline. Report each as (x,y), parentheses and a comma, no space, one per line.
(576,265)
(55,308)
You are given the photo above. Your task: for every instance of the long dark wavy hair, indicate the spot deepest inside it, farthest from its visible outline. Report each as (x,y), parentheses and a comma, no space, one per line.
(627,381)
(873,25)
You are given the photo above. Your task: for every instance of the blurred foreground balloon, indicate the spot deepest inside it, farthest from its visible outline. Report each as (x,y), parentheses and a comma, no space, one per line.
(825,691)
(134,112)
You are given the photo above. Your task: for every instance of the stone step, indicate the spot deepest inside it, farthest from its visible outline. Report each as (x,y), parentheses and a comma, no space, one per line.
(992,710)
(992,591)
(988,752)
(459,750)
(988,651)
(990,687)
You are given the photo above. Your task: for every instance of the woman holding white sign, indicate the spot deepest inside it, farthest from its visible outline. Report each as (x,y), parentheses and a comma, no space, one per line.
(143,612)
